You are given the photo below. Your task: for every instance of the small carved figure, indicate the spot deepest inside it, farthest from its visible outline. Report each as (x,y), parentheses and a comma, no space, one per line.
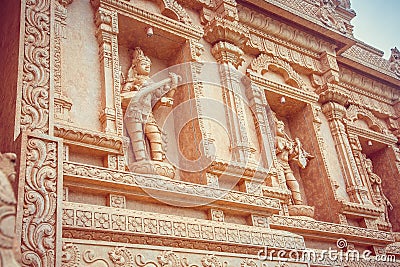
(7,210)
(395,61)
(327,14)
(139,118)
(287,150)
(376,184)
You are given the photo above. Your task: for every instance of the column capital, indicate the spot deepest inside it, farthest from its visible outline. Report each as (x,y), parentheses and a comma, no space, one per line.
(225,52)
(220,29)
(333,93)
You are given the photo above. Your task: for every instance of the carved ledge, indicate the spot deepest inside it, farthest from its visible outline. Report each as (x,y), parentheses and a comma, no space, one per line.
(78,216)
(165,187)
(83,137)
(301,211)
(152,167)
(237,169)
(360,210)
(275,192)
(328,230)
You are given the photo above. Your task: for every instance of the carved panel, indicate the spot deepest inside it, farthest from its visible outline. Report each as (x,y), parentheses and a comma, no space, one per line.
(130,222)
(39,199)
(34,79)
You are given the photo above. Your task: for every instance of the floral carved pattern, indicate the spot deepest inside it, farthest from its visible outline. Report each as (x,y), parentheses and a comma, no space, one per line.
(41,189)
(121,257)
(36,67)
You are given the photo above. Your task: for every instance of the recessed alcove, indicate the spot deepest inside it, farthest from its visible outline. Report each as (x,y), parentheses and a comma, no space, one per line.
(291,113)
(383,161)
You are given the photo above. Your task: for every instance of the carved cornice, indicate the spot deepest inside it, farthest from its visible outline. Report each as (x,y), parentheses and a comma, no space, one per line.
(288,52)
(172,188)
(368,87)
(360,54)
(282,33)
(393,248)
(88,138)
(237,169)
(155,20)
(329,230)
(132,222)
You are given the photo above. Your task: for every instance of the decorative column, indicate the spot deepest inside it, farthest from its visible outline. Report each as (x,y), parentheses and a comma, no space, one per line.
(334,101)
(62,103)
(227,37)
(106,33)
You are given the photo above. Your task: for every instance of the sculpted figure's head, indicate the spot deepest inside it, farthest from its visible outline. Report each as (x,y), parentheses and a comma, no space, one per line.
(141,62)
(7,165)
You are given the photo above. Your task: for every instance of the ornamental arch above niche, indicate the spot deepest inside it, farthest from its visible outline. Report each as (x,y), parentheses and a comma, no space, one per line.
(357,114)
(264,63)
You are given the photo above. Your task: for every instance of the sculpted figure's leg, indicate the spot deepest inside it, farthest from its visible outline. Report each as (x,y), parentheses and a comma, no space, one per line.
(135,131)
(294,187)
(153,133)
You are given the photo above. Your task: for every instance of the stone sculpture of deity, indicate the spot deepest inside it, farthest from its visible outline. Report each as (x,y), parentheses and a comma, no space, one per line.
(290,150)
(376,183)
(139,119)
(7,211)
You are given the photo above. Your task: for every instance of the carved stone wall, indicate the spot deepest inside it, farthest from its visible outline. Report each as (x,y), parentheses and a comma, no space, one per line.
(269,132)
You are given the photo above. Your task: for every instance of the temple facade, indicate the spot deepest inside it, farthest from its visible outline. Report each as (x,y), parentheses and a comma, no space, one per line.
(196,133)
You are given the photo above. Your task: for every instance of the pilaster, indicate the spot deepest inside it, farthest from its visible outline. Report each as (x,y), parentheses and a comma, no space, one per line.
(106,33)
(62,103)
(39,200)
(334,109)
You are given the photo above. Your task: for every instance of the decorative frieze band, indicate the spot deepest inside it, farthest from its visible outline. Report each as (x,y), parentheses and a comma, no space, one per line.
(105,219)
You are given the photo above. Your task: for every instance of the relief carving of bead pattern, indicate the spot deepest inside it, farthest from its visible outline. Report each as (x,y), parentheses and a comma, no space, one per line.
(34,89)
(40,194)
